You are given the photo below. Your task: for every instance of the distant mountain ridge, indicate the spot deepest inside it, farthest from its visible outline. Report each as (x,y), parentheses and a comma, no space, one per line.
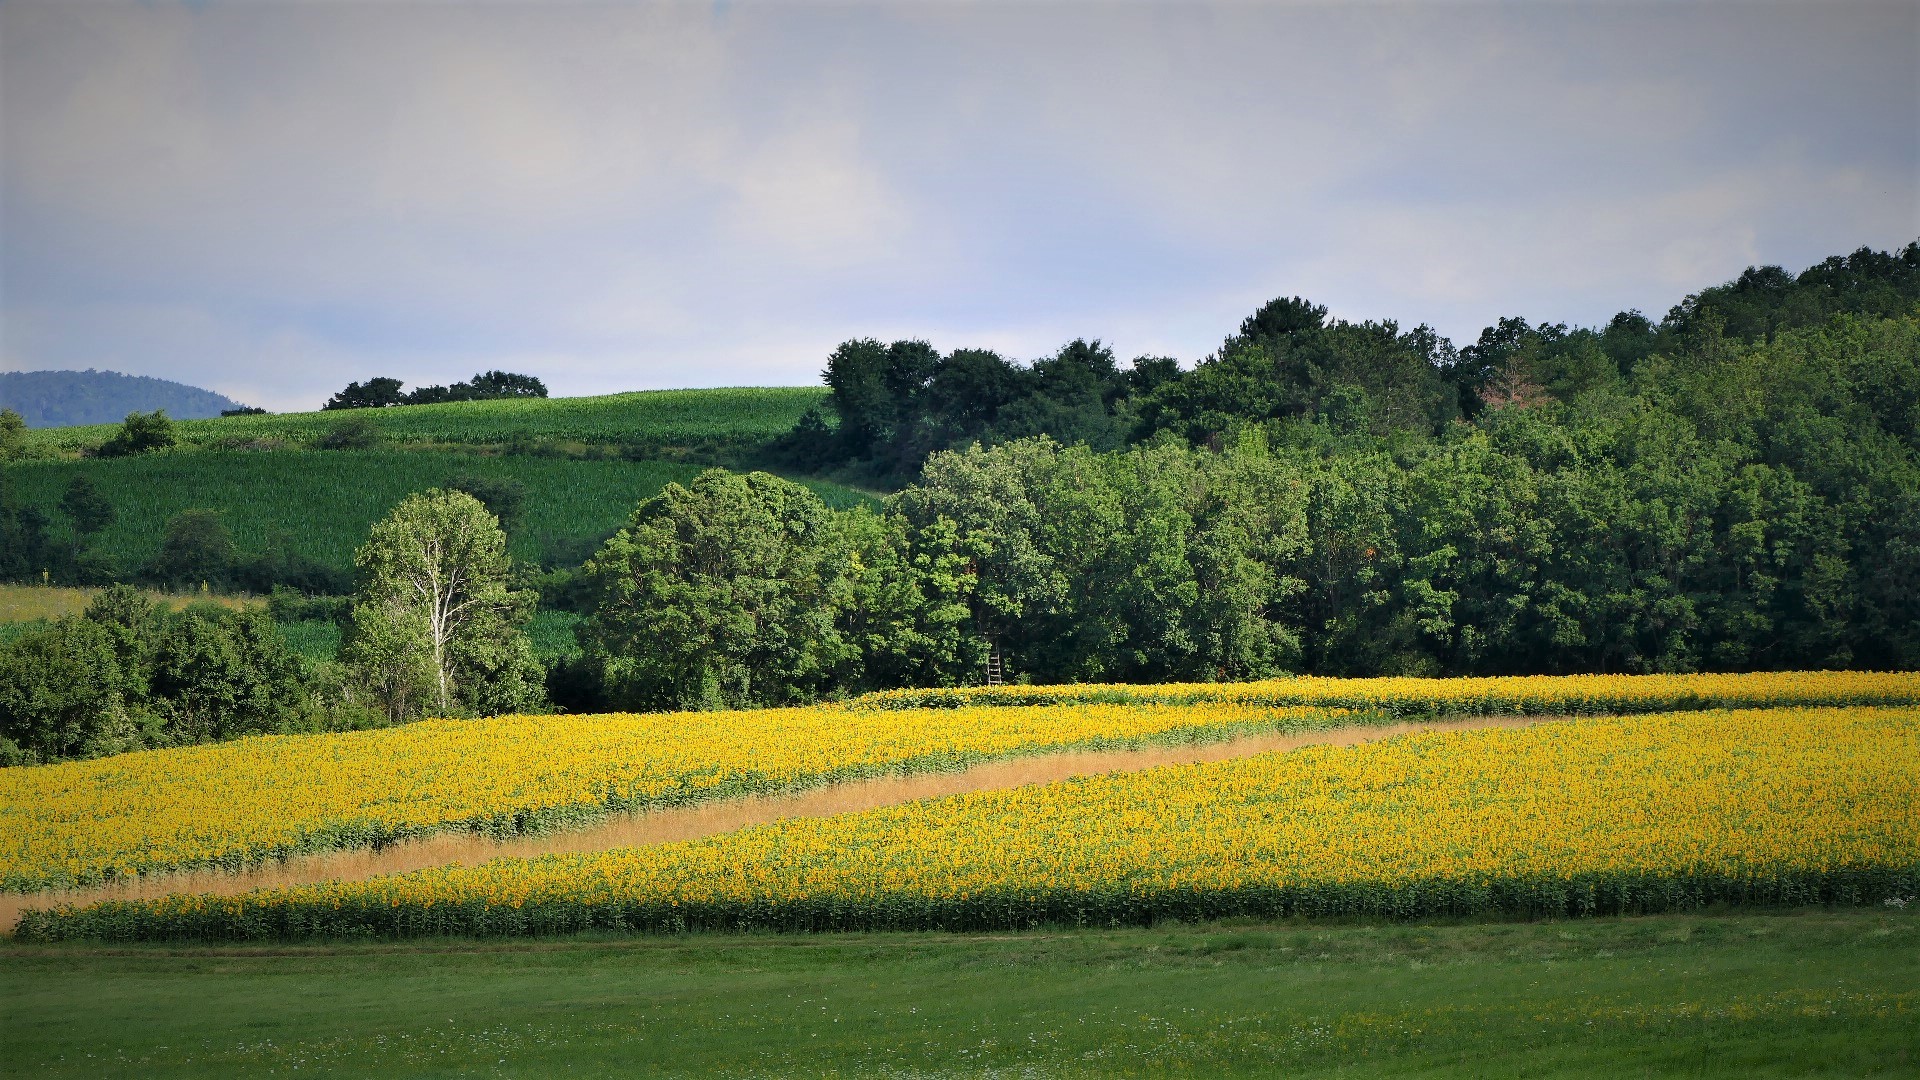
(68,398)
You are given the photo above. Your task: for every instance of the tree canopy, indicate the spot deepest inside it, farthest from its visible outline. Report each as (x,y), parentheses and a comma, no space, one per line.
(436,627)
(381,392)
(1290,363)
(720,593)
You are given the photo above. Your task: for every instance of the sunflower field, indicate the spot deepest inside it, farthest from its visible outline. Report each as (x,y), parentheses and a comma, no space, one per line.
(233,803)
(1601,815)
(1531,695)
(237,803)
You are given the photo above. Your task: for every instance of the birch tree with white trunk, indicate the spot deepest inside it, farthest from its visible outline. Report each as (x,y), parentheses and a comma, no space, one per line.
(435,626)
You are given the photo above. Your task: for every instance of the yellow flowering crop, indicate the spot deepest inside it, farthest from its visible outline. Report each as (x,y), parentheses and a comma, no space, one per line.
(232,803)
(1596,815)
(1519,694)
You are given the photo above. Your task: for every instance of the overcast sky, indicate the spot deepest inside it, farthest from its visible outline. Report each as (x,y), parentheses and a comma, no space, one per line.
(272,199)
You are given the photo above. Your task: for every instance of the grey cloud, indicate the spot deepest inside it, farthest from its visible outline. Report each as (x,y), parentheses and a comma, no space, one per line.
(270,199)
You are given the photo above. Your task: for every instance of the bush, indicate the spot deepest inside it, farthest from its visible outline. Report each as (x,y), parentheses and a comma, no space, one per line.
(60,692)
(13,435)
(279,566)
(197,547)
(353,433)
(503,496)
(140,433)
(289,606)
(219,675)
(126,674)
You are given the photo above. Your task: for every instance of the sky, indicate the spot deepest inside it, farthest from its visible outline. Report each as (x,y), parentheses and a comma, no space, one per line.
(271,200)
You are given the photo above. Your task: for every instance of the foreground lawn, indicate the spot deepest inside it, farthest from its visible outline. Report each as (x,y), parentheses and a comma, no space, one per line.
(1817,993)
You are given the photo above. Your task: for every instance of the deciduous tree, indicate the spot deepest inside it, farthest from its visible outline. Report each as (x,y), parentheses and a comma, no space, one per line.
(435,625)
(723,593)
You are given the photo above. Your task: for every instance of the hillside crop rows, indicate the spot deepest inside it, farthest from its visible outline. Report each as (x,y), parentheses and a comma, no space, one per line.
(650,417)
(1600,815)
(321,504)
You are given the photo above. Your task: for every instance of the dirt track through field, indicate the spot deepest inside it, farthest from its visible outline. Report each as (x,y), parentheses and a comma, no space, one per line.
(722,815)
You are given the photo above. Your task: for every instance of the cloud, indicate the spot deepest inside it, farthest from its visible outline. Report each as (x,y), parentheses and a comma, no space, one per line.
(272,199)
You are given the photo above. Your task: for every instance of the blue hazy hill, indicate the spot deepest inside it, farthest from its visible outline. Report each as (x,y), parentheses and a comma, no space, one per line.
(67,398)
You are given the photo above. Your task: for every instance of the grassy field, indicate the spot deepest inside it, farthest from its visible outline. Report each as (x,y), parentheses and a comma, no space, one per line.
(1804,994)
(1531,695)
(321,503)
(653,418)
(27,608)
(34,603)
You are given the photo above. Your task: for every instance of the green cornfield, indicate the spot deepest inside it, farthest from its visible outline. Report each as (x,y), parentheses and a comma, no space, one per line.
(653,418)
(320,504)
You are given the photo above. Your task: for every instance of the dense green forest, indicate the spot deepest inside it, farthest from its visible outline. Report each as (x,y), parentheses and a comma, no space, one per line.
(895,404)
(1735,486)
(47,399)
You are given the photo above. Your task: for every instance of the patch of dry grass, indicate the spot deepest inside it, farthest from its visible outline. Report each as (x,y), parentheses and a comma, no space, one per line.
(26,603)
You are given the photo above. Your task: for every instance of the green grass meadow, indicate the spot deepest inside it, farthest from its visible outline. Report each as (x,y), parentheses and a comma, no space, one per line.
(322,503)
(1809,994)
(660,418)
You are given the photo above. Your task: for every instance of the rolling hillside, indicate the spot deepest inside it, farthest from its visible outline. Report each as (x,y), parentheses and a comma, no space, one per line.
(321,504)
(649,419)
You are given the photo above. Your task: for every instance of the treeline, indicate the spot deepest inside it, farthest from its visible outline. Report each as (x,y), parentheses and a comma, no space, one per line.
(893,405)
(382,392)
(1755,507)
(1733,488)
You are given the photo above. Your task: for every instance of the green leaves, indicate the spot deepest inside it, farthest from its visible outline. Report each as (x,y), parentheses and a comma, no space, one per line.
(723,593)
(435,626)
(140,434)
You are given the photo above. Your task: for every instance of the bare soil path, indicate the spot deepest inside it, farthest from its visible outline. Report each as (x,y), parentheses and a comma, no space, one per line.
(718,816)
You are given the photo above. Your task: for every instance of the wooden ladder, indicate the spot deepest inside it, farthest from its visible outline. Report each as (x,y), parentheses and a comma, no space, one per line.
(993,667)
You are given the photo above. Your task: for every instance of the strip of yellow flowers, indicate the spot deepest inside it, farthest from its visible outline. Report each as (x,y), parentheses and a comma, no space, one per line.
(1599,815)
(243,801)
(1519,694)
(235,803)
